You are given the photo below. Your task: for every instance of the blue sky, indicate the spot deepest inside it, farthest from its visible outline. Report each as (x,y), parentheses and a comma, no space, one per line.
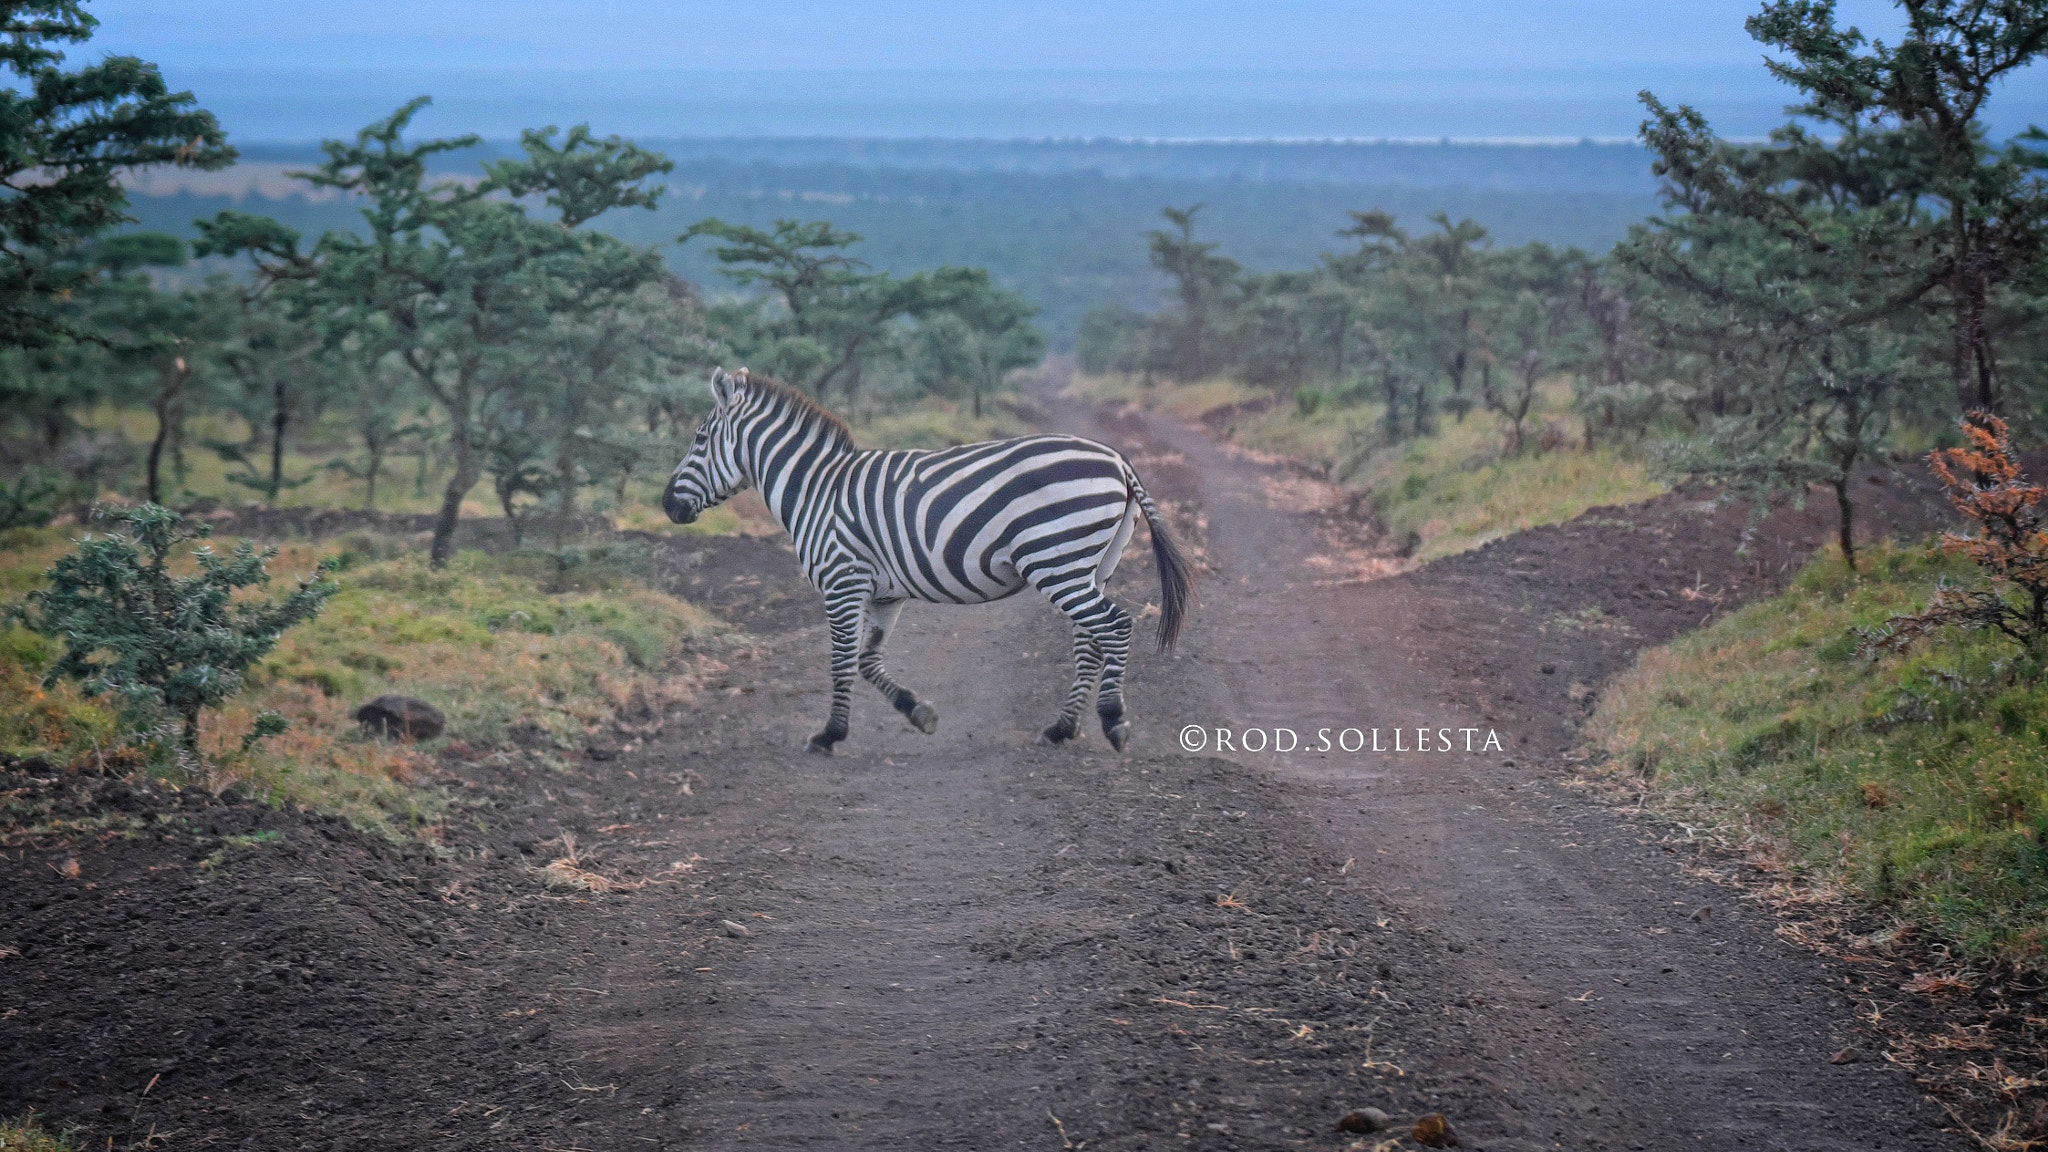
(284,69)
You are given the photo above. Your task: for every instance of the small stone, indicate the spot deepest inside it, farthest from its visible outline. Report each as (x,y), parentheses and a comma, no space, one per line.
(1846,1056)
(405,717)
(1703,914)
(1360,1121)
(1433,1131)
(735,929)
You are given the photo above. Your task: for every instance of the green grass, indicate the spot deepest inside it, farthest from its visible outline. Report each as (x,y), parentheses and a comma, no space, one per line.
(1452,490)
(1455,490)
(1918,783)
(498,643)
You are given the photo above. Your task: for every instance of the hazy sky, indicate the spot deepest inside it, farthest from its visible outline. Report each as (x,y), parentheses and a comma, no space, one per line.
(915,67)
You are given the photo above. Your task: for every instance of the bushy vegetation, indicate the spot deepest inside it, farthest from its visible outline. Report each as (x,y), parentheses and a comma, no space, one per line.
(481,328)
(1917,782)
(165,643)
(1852,283)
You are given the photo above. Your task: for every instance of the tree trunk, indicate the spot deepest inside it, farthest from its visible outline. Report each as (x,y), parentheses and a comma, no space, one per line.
(1847,509)
(565,492)
(177,441)
(174,382)
(278,420)
(468,470)
(376,449)
(467,473)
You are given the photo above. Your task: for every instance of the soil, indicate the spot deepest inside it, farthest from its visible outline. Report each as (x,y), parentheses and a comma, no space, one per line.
(966,941)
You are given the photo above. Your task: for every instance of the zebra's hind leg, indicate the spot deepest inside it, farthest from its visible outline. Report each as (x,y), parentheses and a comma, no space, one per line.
(1087,667)
(880,621)
(843,612)
(1113,636)
(1102,645)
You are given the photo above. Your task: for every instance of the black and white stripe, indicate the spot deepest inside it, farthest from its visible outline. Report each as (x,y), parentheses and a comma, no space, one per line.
(962,525)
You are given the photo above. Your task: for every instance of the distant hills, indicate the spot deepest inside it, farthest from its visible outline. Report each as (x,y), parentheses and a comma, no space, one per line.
(1063,221)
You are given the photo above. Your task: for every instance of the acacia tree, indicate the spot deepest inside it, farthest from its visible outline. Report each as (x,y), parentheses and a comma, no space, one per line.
(1779,274)
(1917,105)
(1533,318)
(984,332)
(466,282)
(69,137)
(1201,281)
(1446,267)
(835,313)
(154,343)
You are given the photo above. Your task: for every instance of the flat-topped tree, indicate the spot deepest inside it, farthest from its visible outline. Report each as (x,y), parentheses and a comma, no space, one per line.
(460,281)
(70,135)
(983,333)
(835,313)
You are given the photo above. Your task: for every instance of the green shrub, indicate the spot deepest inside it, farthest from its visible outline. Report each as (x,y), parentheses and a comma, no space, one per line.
(160,641)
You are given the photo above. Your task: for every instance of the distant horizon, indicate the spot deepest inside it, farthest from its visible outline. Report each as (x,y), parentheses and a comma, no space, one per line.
(1558,104)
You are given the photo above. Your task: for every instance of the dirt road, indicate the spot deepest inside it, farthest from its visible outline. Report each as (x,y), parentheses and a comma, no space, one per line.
(965,941)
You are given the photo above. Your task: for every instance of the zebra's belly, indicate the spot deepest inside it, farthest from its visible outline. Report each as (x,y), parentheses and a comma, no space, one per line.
(979,588)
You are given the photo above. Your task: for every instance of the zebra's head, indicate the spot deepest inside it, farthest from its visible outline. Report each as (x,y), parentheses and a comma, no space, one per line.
(710,471)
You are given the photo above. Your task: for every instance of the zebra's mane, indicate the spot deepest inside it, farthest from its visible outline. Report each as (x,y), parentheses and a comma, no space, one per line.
(807,409)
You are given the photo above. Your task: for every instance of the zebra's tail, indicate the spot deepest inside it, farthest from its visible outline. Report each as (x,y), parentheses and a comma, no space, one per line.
(1176,577)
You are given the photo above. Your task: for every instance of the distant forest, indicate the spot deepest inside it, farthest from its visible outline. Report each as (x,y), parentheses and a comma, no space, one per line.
(1061,222)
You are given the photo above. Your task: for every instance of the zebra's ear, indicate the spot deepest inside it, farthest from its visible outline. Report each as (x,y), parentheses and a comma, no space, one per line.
(721,385)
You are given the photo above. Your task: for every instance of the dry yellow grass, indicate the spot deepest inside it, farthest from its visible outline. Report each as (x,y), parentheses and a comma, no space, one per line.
(1453,489)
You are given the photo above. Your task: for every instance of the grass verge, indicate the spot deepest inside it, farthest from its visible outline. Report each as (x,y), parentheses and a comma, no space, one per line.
(507,647)
(1451,490)
(1917,784)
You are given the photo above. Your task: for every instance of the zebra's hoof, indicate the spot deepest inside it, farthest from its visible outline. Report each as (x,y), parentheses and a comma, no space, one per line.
(817,747)
(1057,734)
(1119,735)
(925,718)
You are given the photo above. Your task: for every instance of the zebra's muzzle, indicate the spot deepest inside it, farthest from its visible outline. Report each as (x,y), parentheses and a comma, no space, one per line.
(680,509)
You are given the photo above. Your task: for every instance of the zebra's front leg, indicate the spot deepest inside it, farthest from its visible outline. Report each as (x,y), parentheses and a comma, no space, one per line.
(880,620)
(842,611)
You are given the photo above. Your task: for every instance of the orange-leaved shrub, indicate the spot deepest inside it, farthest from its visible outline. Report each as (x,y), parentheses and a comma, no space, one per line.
(2009,544)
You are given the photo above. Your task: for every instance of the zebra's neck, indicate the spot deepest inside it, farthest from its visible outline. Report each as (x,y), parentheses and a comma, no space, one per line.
(790,454)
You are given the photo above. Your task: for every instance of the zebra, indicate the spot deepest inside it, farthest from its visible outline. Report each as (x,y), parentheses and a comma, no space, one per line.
(963,525)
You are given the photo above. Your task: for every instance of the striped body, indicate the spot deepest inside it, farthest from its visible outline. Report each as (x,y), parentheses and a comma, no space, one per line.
(961,525)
